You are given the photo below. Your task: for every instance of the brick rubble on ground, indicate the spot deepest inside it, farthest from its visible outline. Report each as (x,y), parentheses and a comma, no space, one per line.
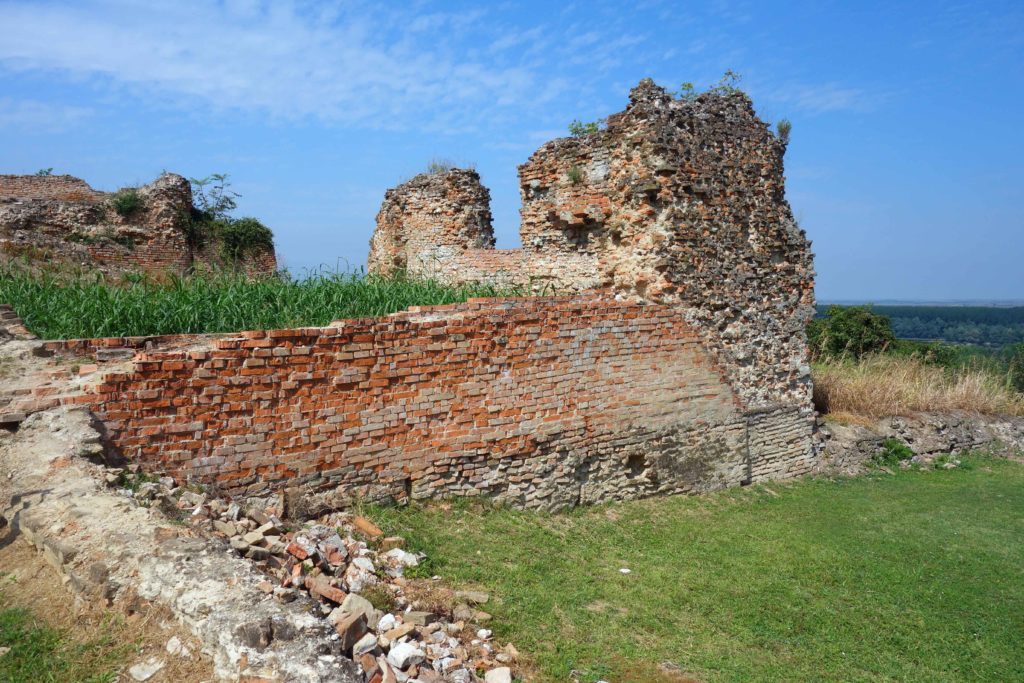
(336,559)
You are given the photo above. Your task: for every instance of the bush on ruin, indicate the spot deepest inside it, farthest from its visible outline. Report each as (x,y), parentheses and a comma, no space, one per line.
(126,201)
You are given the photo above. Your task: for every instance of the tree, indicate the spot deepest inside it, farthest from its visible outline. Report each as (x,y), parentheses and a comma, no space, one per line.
(849,331)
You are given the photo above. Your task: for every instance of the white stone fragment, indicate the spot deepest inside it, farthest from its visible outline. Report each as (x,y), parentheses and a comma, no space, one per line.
(143,671)
(404,655)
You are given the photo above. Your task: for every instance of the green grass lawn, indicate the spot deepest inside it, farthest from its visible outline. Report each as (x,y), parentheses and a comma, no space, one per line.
(917,576)
(40,654)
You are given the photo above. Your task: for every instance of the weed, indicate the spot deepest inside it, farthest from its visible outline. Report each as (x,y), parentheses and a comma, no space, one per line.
(440,166)
(44,172)
(893,453)
(784,127)
(380,598)
(127,201)
(579,129)
(575,175)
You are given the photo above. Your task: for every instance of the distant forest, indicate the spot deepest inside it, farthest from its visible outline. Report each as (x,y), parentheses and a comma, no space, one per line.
(983,325)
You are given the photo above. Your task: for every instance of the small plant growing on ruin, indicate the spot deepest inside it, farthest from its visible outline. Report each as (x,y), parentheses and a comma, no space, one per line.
(440,166)
(213,195)
(126,201)
(578,128)
(893,453)
(784,127)
(728,84)
(575,175)
(687,92)
(45,172)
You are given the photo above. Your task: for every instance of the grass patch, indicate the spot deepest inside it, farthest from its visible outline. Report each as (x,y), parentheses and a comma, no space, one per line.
(92,305)
(39,653)
(916,576)
(880,385)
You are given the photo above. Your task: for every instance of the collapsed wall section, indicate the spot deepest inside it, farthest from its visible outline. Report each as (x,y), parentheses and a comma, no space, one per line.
(49,221)
(540,402)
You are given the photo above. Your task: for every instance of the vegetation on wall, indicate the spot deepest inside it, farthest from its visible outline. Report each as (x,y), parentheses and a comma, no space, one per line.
(211,222)
(579,129)
(126,202)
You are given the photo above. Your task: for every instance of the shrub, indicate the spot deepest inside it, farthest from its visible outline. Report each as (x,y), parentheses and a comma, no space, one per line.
(213,196)
(579,129)
(45,171)
(784,127)
(849,331)
(575,175)
(126,201)
(242,236)
(687,92)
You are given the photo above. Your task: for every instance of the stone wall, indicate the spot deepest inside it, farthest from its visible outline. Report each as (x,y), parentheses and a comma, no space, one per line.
(426,221)
(542,402)
(676,201)
(60,221)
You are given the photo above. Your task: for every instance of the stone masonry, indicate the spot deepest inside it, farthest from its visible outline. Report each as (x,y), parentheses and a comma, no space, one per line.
(60,220)
(675,201)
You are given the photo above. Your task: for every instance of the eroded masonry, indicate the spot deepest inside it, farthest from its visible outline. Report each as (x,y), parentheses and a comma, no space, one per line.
(62,220)
(667,353)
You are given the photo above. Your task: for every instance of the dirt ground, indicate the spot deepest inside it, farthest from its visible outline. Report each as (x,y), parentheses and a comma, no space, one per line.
(30,583)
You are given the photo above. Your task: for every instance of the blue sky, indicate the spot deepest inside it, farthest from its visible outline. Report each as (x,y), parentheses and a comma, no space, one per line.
(906,165)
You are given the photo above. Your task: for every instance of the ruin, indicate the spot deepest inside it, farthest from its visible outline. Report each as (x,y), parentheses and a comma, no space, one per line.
(663,350)
(60,220)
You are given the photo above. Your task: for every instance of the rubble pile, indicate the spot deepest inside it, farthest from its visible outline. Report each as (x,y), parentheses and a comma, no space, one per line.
(355,578)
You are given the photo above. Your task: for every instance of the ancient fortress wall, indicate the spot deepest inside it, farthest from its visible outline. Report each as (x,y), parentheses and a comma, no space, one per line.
(676,201)
(675,359)
(60,220)
(544,402)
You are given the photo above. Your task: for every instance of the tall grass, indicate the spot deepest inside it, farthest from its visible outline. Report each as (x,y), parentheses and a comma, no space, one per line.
(878,385)
(64,307)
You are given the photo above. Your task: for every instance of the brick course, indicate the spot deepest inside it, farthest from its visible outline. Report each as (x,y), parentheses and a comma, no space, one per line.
(543,402)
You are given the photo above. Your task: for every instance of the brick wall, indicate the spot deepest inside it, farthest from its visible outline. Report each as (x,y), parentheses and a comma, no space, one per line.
(545,402)
(56,187)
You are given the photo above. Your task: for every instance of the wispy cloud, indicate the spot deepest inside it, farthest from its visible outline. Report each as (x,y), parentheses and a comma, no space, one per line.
(33,115)
(819,99)
(349,63)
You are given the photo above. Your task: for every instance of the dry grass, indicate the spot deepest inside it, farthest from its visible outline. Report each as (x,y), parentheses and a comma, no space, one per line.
(879,386)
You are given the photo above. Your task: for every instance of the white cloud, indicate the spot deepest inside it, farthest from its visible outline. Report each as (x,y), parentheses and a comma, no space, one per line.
(347,63)
(33,115)
(819,99)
